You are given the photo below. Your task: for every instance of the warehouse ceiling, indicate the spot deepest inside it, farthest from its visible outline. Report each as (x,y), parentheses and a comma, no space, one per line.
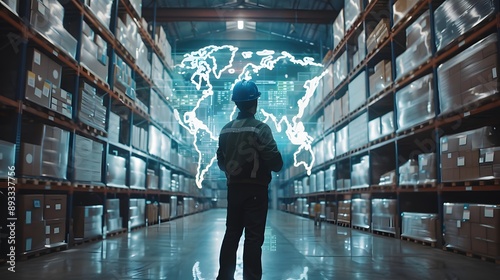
(299,26)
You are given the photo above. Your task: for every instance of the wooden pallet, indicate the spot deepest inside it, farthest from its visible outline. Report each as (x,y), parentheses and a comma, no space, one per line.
(45,182)
(124,98)
(92,130)
(361,228)
(383,139)
(471,254)
(116,232)
(87,185)
(417,127)
(81,241)
(43,251)
(494,182)
(97,80)
(343,224)
(422,242)
(383,233)
(419,186)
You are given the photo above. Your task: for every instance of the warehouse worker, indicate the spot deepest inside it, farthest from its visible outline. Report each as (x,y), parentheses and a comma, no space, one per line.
(247,154)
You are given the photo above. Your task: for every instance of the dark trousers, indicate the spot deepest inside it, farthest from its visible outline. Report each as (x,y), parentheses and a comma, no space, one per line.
(246,209)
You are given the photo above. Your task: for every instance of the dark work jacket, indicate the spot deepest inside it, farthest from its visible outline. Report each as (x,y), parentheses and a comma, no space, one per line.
(247,151)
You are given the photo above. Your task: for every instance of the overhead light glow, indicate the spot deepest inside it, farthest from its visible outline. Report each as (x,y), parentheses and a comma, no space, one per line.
(204,64)
(240,24)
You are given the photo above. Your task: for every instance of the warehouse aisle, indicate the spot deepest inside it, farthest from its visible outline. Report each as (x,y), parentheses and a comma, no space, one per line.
(188,248)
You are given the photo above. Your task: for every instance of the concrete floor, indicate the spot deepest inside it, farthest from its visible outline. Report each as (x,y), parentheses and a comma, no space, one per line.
(188,248)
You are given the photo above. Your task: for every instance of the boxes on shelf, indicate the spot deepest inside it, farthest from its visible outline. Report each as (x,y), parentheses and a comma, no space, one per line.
(114,127)
(415,103)
(378,35)
(37,89)
(137,209)
(427,173)
(388,179)
(55,231)
(358,132)
(7,158)
(455,18)
(400,8)
(152,213)
(93,52)
(360,174)
(61,102)
(164,211)
(384,215)
(142,58)
(123,81)
(127,33)
(352,10)
(116,171)
(32,228)
(139,138)
(489,163)
(342,141)
(408,173)
(343,184)
(420,226)
(329,146)
(469,76)
(360,212)
(47,19)
(320,181)
(338,29)
(91,112)
(166,178)
(47,154)
(137,173)
(340,69)
(460,153)
(113,217)
(11,4)
(359,55)
(381,78)
(87,221)
(101,9)
(152,180)
(344,212)
(137,5)
(357,92)
(374,129)
(88,160)
(55,207)
(155,141)
(418,48)
(387,123)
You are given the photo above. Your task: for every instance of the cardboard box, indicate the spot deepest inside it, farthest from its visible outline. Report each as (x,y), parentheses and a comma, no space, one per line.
(418,29)
(31,159)
(380,32)
(401,8)
(55,207)
(32,237)
(55,231)
(31,209)
(459,242)
(454,211)
(450,175)
(470,158)
(37,89)
(490,215)
(457,228)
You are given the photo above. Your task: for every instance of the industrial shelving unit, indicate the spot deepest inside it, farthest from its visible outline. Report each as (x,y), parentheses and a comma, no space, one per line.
(391,151)
(18,37)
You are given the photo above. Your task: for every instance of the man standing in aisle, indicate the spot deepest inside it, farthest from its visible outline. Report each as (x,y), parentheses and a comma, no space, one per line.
(247,154)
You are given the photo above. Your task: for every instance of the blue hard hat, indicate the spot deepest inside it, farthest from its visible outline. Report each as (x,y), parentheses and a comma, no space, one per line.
(245,91)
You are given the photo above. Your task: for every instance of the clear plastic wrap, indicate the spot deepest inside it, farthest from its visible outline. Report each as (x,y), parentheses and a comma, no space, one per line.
(381,78)
(360,214)
(418,48)
(387,123)
(340,69)
(388,179)
(357,92)
(338,29)
(344,211)
(101,9)
(470,76)
(320,181)
(415,103)
(342,141)
(137,173)
(454,18)
(360,173)
(427,168)
(378,34)
(374,129)
(330,178)
(358,132)
(401,8)
(420,226)
(352,10)
(384,213)
(312,183)
(408,173)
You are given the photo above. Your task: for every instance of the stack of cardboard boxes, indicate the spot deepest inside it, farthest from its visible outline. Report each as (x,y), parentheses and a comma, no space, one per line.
(127,34)
(152,180)
(43,84)
(421,171)
(420,226)
(162,42)
(116,171)
(164,211)
(340,69)
(87,221)
(381,126)
(32,231)
(137,208)
(137,173)
(139,138)
(415,103)
(460,154)
(124,83)
(54,214)
(152,213)
(11,4)
(360,213)
(47,19)
(381,78)
(113,218)
(330,178)
(453,18)
(342,141)
(338,29)
(93,53)
(101,9)
(92,112)
(344,212)
(400,9)
(470,76)
(489,163)
(47,152)
(418,46)
(360,49)
(114,123)
(88,160)
(358,132)
(472,228)
(360,173)
(384,215)
(352,10)
(357,92)
(378,35)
